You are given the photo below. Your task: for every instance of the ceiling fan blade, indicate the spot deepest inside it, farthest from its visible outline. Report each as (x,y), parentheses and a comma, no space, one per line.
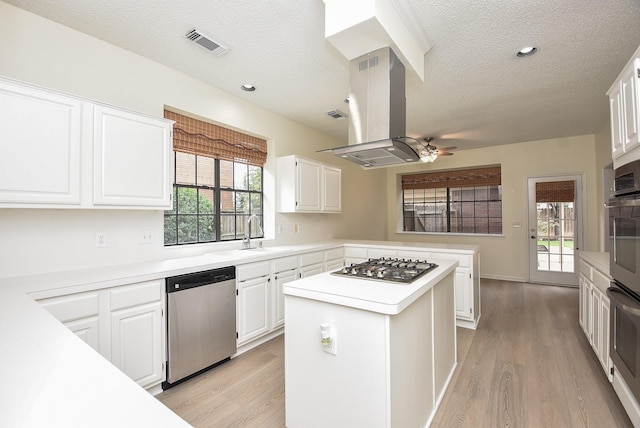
(446,149)
(445,153)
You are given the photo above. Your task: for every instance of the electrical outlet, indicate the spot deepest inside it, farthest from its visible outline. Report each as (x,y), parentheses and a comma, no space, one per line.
(332,348)
(101,239)
(146,237)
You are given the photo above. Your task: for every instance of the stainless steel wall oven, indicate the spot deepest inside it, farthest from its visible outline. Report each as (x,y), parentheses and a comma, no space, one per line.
(624,292)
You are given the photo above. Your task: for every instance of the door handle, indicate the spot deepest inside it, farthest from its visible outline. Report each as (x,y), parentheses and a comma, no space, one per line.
(533,237)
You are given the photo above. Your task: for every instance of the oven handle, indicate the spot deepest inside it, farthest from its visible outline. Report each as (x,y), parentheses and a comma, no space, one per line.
(619,295)
(623,203)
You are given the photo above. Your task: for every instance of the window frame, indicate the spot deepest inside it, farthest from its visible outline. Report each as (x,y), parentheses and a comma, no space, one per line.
(443,191)
(218,190)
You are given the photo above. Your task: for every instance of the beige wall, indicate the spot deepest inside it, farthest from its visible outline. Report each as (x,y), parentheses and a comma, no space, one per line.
(38,51)
(506,256)
(41,52)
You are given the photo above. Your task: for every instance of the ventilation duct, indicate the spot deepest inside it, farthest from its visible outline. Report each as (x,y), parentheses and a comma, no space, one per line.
(215,46)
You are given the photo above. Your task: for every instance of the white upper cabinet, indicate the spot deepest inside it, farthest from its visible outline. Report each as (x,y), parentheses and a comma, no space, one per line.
(61,151)
(332,189)
(307,186)
(624,107)
(40,139)
(132,159)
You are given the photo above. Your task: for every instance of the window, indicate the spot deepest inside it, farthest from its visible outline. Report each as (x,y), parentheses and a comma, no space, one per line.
(459,201)
(217,183)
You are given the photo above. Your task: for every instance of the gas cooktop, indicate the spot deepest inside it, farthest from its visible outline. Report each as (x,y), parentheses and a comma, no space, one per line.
(387,269)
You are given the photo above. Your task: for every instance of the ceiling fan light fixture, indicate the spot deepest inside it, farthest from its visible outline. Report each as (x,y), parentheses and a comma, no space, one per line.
(248,87)
(525,52)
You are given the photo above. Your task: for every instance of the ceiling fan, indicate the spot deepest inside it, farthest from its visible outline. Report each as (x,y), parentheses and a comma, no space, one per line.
(430,153)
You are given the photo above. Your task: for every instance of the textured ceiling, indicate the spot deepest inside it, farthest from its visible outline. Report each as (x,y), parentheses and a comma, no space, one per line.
(476,93)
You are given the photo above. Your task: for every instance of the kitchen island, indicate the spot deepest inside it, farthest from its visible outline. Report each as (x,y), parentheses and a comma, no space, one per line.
(389,357)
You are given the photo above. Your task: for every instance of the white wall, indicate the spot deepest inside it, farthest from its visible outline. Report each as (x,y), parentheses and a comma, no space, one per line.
(506,256)
(41,52)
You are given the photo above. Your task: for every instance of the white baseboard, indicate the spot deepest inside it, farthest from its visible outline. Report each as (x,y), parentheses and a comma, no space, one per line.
(626,398)
(504,278)
(250,345)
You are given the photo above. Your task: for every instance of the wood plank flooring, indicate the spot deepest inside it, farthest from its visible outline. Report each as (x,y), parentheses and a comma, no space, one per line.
(527,365)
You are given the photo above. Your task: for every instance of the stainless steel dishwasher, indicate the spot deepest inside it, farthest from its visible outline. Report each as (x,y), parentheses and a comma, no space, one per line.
(201,322)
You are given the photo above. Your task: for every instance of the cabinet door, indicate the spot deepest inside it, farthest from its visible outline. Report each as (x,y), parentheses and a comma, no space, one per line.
(308,186)
(279,280)
(332,189)
(132,159)
(585,307)
(80,314)
(615,113)
(605,308)
(629,99)
(310,270)
(40,138)
(136,342)
(595,320)
(464,294)
(253,308)
(87,329)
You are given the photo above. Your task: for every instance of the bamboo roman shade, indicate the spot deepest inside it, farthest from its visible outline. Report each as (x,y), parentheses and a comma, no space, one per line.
(481,176)
(555,191)
(206,139)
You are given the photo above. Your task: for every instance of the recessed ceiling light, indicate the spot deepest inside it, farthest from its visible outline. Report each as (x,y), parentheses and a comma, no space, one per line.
(248,87)
(528,51)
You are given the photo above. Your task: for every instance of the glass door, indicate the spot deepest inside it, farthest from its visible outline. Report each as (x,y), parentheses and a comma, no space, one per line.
(555,229)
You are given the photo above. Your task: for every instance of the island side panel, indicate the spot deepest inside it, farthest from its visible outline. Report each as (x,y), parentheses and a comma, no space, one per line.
(444,334)
(411,362)
(345,390)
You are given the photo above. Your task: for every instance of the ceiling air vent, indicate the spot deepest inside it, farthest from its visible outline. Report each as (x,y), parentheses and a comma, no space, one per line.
(206,41)
(337,114)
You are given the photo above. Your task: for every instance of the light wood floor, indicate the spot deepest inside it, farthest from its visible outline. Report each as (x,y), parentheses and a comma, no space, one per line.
(527,365)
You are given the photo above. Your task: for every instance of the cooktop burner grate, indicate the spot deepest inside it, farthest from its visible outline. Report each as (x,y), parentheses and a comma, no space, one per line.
(388,270)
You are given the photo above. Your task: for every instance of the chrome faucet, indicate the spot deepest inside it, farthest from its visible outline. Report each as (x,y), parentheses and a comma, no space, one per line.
(246,239)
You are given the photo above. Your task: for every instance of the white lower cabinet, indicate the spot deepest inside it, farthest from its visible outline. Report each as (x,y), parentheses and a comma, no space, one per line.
(311,264)
(136,342)
(124,324)
(594,312)
(253,300)
(284,270)
(464,294)
(79,313)
(260,307)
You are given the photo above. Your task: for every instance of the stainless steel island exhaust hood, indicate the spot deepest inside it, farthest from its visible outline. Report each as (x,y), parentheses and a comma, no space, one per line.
(377,112)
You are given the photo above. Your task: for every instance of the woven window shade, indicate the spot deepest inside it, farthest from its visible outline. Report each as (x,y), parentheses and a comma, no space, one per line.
(482,176)
(206,139)
(555,191)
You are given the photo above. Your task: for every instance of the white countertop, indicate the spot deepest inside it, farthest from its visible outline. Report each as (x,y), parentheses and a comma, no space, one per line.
(52,378)
(376,296)
(598,260)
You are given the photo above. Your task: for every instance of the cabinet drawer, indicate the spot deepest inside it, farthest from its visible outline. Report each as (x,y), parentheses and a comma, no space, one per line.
(336,253)
(136,294)
(585,269)
(355,252)
(253,270)
(286,263)
(311,258)
(72,307)
(415,255)
(600,281)
(375,253)
(464,260)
